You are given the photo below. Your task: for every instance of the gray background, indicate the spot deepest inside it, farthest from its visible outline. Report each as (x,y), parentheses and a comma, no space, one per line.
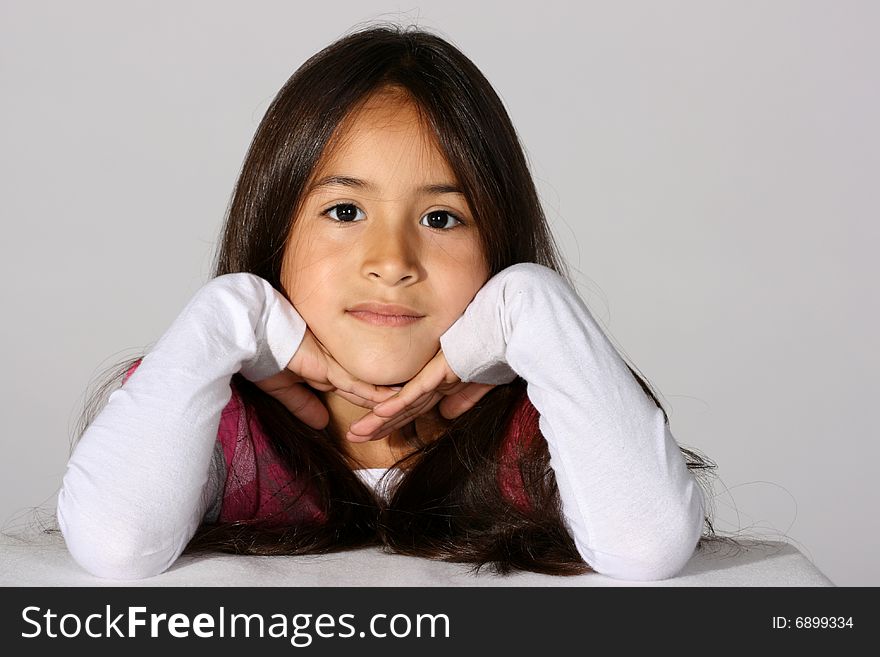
(710,169)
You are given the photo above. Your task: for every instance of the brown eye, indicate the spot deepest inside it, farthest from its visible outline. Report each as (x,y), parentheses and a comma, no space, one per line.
(439,218)
(345,212)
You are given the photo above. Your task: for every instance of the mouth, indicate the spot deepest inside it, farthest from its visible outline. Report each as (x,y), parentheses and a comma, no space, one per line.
(377,319)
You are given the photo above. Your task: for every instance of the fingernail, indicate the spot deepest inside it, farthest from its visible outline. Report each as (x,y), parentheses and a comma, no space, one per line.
(397,387)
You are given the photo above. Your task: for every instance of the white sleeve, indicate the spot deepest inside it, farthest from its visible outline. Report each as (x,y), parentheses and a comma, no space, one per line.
(137,485)
(633,508)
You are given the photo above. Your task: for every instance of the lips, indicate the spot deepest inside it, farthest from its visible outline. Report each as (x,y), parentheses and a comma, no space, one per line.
(386,309)
(385,314)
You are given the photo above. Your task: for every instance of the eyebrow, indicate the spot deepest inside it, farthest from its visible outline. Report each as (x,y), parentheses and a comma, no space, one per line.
(357,183)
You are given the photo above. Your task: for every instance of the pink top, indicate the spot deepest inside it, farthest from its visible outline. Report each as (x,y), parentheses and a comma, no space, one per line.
(258,483)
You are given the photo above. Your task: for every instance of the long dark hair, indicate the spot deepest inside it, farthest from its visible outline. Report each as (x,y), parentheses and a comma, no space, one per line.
(448,505)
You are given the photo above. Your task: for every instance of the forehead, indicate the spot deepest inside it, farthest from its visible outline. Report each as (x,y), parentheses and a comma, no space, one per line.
(385,136)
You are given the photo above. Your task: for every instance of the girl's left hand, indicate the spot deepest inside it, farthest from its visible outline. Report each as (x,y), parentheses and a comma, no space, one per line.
(434,382)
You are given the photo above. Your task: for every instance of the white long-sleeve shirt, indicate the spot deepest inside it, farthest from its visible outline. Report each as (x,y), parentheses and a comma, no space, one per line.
(143,476)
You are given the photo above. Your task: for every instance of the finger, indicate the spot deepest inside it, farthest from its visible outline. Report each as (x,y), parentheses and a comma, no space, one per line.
(463,400)
(371,422)
(424,383)
(360,401)
(320,385)
(304,405)
(398,422)
(375,428)
(345,383)
(283,379)
(418,395)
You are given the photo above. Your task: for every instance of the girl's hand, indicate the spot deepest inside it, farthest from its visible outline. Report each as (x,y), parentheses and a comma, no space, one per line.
(434,382)
(314,365)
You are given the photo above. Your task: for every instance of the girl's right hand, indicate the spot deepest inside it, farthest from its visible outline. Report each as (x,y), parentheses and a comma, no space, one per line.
(313,364)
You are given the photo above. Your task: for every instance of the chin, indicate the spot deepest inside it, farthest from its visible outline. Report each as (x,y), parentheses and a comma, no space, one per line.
(396,373)
(394,379)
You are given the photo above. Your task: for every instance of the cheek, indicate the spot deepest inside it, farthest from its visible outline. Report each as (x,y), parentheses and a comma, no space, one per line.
(311,271)
(461,290)
(311,300)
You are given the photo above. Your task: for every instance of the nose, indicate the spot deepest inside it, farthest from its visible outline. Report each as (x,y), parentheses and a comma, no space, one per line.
(391,255)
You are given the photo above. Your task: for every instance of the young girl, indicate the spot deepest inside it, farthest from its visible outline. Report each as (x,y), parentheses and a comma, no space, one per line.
(389,353)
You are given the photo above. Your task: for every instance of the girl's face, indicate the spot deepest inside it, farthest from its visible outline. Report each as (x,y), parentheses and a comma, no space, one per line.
(382,223)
